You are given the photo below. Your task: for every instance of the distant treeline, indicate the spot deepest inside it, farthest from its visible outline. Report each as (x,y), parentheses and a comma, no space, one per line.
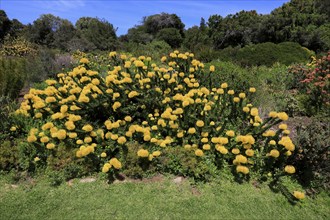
(306,22)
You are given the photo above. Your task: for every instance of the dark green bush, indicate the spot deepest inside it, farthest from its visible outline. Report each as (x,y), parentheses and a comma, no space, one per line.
(266,54)
(179,161)
(312,157)
(154,49)
(136,167)
(13,74)
(8,155)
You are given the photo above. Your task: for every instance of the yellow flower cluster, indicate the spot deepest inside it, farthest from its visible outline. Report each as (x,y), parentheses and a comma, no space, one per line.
(94,109)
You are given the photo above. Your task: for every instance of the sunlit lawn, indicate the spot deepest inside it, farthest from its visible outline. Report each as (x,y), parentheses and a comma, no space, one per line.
(162,199)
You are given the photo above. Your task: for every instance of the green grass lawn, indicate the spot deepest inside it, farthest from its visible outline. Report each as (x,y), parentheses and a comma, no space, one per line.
(152,200)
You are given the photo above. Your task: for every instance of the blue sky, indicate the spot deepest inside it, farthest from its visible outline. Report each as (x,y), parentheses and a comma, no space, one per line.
(124,14)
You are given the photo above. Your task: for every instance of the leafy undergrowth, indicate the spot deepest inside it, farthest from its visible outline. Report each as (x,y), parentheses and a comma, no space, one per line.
(160,199)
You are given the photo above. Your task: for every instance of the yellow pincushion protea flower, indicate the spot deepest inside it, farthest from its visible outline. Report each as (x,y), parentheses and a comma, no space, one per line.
(156,153)
(274,153)
(249,152)
(200,123)
(116,105)
(36,159)
(72,135)
(70,125)
(199,153)
(242,95)
(230,133)
(224,85)
(206,147)
(272,114)
(242,169)
(115,163)
(236,99)
(254,112)
(241,159)
(235,151)
(106,167)
(231,92)
(289,169)
(61,134)
(31,138)
(252,90)
(44,139)
(128,118)
(142,153)
(84,61)
(191,131)
(222,149)
(283,126)
(121,140)
(272,142)
(112,54)
(132,94)
(50,146)
(298,195)
(283,116)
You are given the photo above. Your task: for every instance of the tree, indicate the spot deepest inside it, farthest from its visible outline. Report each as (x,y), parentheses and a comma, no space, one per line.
(297,21)
(16,28)
(234,30)
(138,34)
(5,24)
(98,32)
(156,27)
(64,34)
(42,30)
(171,36)
(196,38)
(157,22)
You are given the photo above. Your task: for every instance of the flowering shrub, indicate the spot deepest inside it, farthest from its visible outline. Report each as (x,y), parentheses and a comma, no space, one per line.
(96,112)
(314,79)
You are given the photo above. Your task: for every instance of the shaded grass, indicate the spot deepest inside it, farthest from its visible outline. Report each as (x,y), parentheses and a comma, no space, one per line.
(153,200)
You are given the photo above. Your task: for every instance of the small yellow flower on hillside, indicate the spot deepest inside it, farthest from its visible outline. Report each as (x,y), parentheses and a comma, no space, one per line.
(87,128)
(283,126)
(142,153)
(235,151)
(298,195)
(84,61)
(115,163)
(199,123)
(283,116)
(230,133)
(199,153)
(50,146)
(249,152)
(274,153)
(289,169)
(112,54)
(36,159)
(231,92)
(252,90)
(156,153)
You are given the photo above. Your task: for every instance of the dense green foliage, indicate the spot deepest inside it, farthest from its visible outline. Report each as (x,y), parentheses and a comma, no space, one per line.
(266,54)
(312,157)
